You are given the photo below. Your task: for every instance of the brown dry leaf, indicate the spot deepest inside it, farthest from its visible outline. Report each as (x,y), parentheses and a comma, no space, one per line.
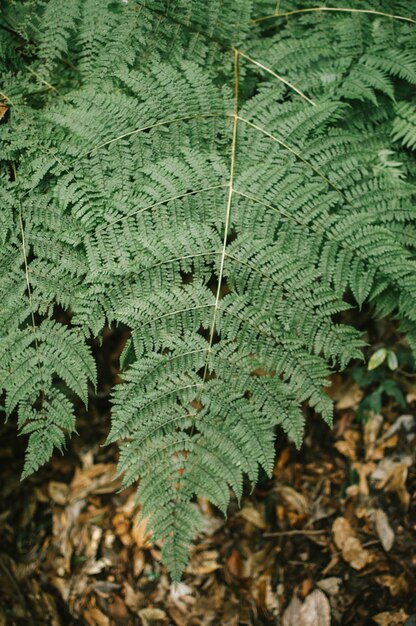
(350,546)
(396,483)
(133,599)
(121,524)
(105,588)
(352,491)
(383,529)
(156,554)
(121,527)
(99,478)
(58,492)
(396,585)
(347,449)
(393,618)
(93,541)
(266,600)
(94,617)
(52,610)
(305,587)
(254,516)
(117,610)
(350,439)
(330,585)
(63,585)
(294,500)
(211,523)
(152,616)
(235,564)
(282,460)
(96,567)
(264,558)
(371,431)
(291,616)
(63,523)
(204,562)
(182,598)
(316,610)
(141,536)
(3,110)
(404,422)
(363,470)
(348,395)
(138,561)
(355,554)
(128,507)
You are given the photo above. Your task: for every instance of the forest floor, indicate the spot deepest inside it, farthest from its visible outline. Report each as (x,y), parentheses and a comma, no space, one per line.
(329,539)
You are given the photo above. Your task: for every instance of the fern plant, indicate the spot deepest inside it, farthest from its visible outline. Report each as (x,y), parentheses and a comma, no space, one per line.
(224,180)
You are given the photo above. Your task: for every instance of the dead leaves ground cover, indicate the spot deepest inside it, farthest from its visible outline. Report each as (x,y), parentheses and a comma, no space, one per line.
(330,539)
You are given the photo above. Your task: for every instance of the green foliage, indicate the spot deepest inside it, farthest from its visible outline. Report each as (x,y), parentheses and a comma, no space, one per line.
(404,126)
(379,385)
(223,185)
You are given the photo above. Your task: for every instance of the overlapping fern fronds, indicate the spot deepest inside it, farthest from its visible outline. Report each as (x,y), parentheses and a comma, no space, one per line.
(224,181)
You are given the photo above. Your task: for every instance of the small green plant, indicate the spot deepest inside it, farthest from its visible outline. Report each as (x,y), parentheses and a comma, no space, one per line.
(216,176)
(381,355)
(378,382)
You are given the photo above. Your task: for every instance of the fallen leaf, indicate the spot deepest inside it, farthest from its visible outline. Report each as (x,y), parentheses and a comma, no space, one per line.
(140,533)
(405,422)
(395,584)
(117,610)
(106,588)
(383,529)
(305,587)
(133,599)
(138,562)
(58,492)
(96,567)
(94,617)
(390,618)
(371,431)
(281,461)
(211,523)
(315,610)
(330,585)
(294,500)
(120,524)
(266,600)
(235,564)
(203,562)
(346,448)
(396,483)
(363,470)
(291,616)
(150,616)
(182,597)
(254,516)
(350,546)
(347,396)
(99,478)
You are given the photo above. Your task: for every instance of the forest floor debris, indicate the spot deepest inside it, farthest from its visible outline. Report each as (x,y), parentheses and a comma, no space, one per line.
(329,539)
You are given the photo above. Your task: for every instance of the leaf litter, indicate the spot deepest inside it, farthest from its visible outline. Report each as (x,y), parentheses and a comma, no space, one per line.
(328,540)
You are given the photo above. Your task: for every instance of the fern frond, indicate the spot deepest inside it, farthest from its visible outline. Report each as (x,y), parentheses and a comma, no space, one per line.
(404,125)
(222,185)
